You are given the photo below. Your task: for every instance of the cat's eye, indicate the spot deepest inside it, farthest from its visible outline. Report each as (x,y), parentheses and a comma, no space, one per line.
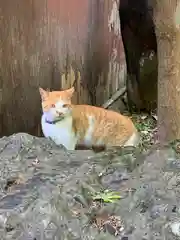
(53,105)
(65,105)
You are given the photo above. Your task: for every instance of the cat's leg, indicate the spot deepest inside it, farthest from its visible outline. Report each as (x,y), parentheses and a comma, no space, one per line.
(70,145)
(69,141)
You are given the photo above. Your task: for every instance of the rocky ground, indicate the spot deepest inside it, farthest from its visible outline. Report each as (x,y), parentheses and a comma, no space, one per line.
(127,194)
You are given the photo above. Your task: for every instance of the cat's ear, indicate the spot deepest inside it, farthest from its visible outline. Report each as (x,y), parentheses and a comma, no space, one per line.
(43,93)
(70,92)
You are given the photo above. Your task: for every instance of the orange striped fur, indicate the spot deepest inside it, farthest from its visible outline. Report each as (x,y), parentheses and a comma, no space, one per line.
(73,125)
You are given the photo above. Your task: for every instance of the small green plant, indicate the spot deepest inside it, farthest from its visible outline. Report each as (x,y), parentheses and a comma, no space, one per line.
(106,196)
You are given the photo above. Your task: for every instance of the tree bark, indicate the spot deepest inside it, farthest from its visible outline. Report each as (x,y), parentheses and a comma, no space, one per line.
(168,44)
(56,44)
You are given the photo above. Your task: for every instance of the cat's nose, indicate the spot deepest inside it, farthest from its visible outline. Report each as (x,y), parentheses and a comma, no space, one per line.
(58,113)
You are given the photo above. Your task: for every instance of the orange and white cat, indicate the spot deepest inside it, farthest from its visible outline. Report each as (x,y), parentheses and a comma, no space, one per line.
(73,125)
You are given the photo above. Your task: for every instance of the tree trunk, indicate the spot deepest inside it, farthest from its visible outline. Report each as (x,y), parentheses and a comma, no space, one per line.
(168,44)
(56,44)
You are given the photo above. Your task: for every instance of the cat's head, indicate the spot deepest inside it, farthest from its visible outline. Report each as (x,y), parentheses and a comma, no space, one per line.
(54,104)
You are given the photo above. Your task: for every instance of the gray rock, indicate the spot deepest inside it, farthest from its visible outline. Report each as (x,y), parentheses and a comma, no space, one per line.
(46,192)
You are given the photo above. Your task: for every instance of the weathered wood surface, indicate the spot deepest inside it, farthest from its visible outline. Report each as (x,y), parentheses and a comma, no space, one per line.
(55,44)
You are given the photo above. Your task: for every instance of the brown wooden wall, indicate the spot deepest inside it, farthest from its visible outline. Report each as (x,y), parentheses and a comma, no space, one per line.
(55,44)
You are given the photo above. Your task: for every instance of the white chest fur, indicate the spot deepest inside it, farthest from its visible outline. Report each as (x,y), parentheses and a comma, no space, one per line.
(60,133)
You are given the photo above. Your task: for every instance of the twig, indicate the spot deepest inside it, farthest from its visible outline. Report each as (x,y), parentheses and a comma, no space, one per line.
(114,97)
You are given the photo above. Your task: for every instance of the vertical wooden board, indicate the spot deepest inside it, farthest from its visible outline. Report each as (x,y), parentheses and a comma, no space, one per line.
(70,19)
(22,58)
(96,52)
(111,58)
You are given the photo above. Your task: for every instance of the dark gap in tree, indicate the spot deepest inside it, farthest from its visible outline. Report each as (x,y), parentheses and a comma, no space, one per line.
(138,35)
